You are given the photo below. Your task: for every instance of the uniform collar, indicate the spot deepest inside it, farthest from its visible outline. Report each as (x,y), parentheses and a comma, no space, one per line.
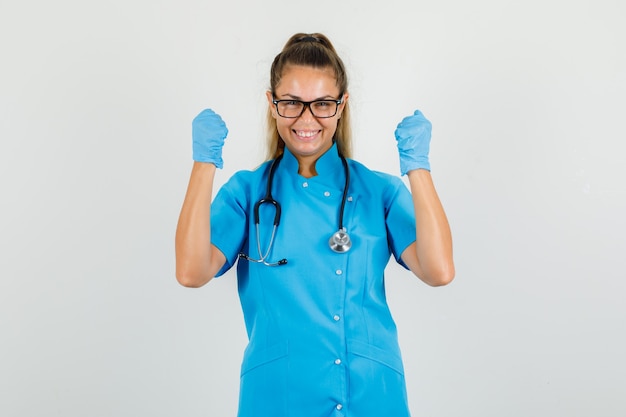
(328,165)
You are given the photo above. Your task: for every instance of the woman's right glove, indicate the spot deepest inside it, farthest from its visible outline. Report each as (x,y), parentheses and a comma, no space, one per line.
(208,133)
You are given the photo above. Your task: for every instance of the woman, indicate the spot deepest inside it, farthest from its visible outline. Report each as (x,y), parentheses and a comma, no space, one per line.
(321,337)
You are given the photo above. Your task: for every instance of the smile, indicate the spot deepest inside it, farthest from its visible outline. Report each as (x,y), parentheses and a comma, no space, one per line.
(306,133)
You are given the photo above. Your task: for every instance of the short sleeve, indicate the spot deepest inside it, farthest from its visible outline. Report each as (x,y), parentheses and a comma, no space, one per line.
(400,218)
(229,221)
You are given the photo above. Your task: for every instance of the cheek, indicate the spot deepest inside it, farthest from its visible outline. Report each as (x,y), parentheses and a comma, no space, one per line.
(331,125)
(283,124)
(284,129)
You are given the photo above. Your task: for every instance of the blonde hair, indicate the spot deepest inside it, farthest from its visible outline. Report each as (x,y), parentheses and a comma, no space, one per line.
(311,50)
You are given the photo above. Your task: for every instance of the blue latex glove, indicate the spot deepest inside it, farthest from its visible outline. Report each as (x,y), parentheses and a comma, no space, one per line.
(208,133)
(413,137)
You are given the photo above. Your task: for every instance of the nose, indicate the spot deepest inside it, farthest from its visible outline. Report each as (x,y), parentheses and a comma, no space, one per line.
(307,115)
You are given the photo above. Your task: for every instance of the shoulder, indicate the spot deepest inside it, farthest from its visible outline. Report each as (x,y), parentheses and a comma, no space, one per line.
(368,179)
(243,181)
(249,175)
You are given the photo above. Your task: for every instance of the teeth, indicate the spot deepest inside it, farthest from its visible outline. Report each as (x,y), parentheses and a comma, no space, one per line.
(306,134)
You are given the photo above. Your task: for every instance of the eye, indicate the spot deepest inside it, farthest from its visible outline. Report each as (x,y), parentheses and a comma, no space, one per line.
(322,104)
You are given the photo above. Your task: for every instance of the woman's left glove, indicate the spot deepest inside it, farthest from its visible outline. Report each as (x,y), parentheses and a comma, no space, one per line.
(413,137)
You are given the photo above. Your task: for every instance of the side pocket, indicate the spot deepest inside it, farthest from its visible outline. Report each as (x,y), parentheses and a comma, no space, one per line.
(254,358)
(377,385)
(387,358)
(263,390)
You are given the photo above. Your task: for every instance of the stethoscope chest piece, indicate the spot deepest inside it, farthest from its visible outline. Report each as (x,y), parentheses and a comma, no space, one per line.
(340,241)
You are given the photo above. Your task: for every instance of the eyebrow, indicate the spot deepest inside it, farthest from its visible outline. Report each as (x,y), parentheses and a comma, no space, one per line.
(291,96)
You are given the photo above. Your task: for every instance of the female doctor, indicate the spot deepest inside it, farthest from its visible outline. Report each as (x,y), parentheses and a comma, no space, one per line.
(311,232)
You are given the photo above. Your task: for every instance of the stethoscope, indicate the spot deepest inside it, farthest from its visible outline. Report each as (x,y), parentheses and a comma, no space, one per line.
(339,242)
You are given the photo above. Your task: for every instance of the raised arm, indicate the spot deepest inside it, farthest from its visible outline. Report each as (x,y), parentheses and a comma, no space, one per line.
(197,260)
(430,256)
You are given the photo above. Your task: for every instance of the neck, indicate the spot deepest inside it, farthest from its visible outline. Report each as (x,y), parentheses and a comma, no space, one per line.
(307,163)
(306,168)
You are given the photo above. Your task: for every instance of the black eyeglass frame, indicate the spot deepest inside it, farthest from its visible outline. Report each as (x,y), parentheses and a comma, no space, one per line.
(308,104)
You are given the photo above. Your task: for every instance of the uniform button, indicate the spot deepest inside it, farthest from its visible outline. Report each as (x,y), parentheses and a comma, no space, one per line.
(339,406)
(350,198)
(338,272)
(337,361)
(336,317)
(326,193)
(305,184)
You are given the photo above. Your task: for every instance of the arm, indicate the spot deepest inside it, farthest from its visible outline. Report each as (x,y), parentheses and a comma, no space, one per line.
(197,260)
(430,256)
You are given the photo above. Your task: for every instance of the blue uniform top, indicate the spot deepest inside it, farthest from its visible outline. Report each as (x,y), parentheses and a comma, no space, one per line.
(322,341)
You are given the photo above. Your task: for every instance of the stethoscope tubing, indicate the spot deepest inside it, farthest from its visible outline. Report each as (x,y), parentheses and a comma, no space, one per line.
(339,242)
(268,195)
(345,192)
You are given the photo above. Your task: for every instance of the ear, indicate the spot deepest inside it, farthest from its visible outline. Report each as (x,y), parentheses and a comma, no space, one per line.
(272,108)
(346,95)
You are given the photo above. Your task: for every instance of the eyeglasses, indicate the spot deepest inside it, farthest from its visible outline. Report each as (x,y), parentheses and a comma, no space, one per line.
(292,109)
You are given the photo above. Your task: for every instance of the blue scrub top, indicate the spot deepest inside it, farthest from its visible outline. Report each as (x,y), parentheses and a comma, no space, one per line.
(322,341)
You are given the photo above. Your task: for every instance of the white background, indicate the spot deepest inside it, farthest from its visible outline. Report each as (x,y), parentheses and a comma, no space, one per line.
(527,101)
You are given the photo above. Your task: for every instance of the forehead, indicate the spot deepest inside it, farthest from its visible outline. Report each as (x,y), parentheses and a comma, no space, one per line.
(302,80)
